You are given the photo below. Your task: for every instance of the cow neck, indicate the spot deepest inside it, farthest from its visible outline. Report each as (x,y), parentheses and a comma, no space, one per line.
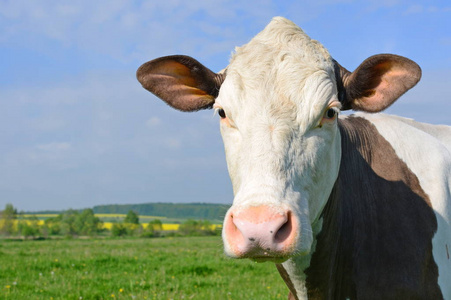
(378,224)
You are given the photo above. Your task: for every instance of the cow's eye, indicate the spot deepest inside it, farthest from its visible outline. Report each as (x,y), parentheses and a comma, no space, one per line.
(222,113)
(225,120)
(330,114)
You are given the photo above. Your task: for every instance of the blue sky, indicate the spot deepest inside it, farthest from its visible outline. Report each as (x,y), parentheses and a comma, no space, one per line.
(77,129)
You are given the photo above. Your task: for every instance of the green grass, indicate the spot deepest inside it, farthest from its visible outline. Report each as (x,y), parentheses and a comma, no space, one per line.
(165,268)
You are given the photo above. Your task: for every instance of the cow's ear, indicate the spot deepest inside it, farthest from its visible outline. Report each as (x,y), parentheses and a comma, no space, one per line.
(377,82)
(181,81)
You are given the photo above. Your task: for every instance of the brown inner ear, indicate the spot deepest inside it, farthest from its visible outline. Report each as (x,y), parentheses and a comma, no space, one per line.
(388,83)
(181,81)
(379,81)
(177,71)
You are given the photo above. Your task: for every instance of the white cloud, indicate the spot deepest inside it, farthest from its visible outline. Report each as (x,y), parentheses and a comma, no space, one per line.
(172,143)
(55,95)
(142,27)
(46,123)
(414,9)
(55,147)
(153,122)
(418,9)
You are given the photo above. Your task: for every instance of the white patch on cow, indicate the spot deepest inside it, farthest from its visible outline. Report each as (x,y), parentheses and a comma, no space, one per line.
(297,276)
(296,266)
(277,89)
(426,149)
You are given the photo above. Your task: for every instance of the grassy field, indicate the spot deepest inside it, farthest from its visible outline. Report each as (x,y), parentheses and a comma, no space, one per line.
(164,268)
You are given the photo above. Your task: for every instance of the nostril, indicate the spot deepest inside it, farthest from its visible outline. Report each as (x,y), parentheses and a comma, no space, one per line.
(231,227)
(284,232)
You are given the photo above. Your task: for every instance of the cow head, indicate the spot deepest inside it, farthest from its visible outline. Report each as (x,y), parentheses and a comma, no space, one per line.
(278,102)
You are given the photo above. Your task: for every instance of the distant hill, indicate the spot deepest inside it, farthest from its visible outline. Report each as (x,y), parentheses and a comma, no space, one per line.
(205,211)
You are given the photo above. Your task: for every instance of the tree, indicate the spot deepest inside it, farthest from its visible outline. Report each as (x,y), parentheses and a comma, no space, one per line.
(196,228)
(118,229)
(52,226)
(153,229)
(156,225)
(68,223)
(29,227)
(7,219)
(87,223)
(132,218)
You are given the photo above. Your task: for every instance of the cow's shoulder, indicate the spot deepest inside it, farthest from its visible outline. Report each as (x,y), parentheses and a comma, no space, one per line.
(410,131)
(378,224)
(426,150)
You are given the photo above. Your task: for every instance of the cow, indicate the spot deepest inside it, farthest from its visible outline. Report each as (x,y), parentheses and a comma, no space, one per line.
(347,207)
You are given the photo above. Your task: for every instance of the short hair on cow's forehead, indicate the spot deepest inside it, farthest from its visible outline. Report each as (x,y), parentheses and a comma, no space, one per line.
(283,37)
(274,68)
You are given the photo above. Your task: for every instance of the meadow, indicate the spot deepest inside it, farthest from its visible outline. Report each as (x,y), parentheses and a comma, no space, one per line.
(132,268)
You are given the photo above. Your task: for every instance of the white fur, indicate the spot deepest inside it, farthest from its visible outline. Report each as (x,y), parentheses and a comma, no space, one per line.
(277,89)
(426,149)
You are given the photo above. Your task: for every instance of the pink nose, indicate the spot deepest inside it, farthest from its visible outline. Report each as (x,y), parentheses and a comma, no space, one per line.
(260,232)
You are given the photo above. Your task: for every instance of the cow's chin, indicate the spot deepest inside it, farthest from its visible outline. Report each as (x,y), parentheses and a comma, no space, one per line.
(274,259)
(260,255)
(261,258)
(278,259)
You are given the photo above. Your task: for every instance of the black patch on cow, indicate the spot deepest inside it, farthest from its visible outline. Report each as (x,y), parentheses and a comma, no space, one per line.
(378,225)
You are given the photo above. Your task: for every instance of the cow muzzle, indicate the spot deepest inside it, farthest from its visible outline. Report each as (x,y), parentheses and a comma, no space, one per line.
(261,233)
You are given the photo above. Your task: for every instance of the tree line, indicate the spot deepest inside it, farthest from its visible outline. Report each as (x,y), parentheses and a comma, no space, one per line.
(197,211)
(73,223)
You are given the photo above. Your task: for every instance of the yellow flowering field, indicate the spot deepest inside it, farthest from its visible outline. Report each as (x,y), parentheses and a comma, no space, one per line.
(101,216)
(166,226)
(39,216)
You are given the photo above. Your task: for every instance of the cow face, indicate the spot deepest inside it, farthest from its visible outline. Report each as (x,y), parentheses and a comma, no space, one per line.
(278,102)
(279,110)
